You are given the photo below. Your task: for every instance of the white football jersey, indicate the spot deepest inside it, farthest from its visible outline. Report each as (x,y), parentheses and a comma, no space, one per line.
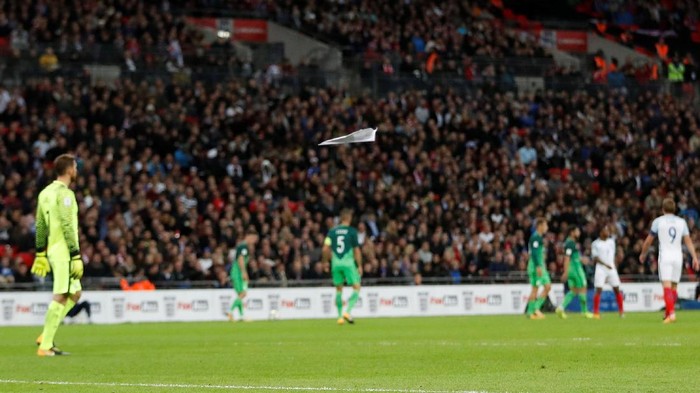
(670,230)
(605,250)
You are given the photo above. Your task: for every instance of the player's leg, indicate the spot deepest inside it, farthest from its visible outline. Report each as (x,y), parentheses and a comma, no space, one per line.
(338,276)
(355,282)
(614,280)
(582,293)
(241,300)
(547,287)
(598,282)
(666,275)
(561,310)
(55,312)
(532,299)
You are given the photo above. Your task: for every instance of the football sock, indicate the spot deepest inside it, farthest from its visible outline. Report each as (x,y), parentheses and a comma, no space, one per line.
(584,302)
(54,315)
(668,300)
(530,307)
(567,299)
(596,303)
(620,300)
(69,306)
(540,302)
(339,303)
(353,299)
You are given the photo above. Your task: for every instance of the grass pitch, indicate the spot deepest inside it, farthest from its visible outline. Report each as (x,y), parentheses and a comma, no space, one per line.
(430,355)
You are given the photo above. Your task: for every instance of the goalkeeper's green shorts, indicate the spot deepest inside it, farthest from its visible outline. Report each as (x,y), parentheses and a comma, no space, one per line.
(62,282)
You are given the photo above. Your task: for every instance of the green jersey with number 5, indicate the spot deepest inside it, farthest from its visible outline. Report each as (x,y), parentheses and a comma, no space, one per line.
(342,240)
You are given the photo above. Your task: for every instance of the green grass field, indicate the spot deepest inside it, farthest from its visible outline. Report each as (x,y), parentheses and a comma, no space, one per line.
(490,354)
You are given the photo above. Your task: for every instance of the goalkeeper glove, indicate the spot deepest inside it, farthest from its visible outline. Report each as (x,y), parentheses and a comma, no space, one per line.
(41,265)
(76,266)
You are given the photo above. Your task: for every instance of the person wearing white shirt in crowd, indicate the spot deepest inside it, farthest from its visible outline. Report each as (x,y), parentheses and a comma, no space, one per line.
(670,230)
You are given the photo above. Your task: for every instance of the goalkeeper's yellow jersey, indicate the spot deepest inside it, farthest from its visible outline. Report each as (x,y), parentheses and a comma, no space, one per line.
(57,223)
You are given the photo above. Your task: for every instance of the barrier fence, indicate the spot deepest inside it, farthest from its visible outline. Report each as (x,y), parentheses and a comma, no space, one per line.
(109,307)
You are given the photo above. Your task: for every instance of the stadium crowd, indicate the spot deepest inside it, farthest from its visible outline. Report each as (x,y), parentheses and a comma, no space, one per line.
(171,176)
(173,172)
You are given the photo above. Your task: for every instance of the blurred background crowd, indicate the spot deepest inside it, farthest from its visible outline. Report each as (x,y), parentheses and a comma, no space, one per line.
(172,172)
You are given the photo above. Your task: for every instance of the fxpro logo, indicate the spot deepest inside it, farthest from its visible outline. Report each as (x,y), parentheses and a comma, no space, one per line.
(300,303)
(254,304)
(34,308)
(631,298)
(148,306)
(447,301)
(491,300)
(396,302)
(195,305)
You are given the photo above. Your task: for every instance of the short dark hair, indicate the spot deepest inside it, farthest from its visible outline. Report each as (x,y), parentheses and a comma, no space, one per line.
(669,206)
(346,213)
(572,229)
(63,163)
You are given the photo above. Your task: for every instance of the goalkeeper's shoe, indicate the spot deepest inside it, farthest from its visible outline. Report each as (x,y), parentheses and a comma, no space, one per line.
(341,321)
(54,348)
(561,313)
(588,315)
(45,352)
(348,318)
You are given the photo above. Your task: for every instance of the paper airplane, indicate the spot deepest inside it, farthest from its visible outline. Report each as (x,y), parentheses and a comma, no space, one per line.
(363,135)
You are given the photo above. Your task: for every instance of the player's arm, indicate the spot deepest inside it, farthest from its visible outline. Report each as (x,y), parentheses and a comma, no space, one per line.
(326,252)
(41,266)
(650,239)
(68,222)
(357,253)
(69,227)
(691,249)
(596,258)
(241,265)
(538,257)
(645,247)
(567,263)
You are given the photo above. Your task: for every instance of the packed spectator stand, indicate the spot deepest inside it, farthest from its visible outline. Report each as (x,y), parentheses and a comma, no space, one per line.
(172,172)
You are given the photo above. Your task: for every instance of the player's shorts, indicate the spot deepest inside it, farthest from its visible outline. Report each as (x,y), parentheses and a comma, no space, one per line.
(603,275)
(345,274)
(536,281)
(577,280)
(239,284)
(62,282)
(670,271)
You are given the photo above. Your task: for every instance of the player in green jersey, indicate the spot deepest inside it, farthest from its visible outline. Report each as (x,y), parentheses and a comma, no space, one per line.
(342,248)
(574,274)
(58,249)
(537,271)
(239,271)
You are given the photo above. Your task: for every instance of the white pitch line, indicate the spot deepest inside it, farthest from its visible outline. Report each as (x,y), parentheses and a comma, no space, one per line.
(228,387)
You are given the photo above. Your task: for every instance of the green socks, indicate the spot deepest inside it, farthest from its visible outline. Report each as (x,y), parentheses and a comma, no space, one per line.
(567,299)
(69,306)
(237,304)
(583,301)
(54,315)
(531,307)
(353,299)
(339,303)
(539,302)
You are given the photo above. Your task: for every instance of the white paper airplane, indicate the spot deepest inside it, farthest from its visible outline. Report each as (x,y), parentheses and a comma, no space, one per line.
(363,135)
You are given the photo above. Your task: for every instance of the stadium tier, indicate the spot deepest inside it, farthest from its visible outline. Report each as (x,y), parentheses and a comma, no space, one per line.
(175,166)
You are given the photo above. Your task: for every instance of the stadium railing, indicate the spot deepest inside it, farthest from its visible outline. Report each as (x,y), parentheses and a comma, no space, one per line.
(112,283)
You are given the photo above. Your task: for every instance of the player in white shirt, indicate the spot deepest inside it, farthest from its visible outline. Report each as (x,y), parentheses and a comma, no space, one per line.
(603,252)
(670,230)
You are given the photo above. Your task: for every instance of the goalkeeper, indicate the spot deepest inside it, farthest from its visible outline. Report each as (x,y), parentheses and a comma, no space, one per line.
(57,249)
